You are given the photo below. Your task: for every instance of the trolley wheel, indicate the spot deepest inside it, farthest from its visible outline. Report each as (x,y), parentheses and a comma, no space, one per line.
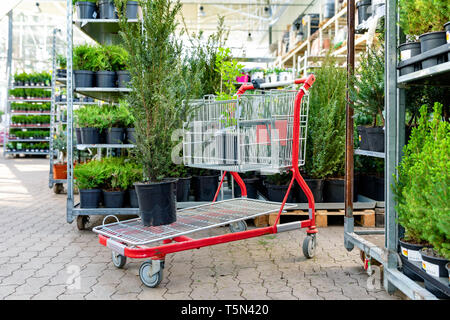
(82,221)
(309,246)
(238,226)
(118,260)
(58,188)
(150,281)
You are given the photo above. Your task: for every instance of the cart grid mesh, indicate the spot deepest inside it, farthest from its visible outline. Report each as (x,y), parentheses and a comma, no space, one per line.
(189,220)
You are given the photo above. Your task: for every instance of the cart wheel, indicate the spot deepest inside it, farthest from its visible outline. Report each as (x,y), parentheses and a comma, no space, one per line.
(309,246)
(238,226)
(58,188)
(82,221)
(118,260)
(150,281)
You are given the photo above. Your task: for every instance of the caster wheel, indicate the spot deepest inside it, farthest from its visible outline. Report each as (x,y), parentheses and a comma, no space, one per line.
(118,260)
(309,246)
(82,221)
(150,281)
(238,226)
(58,188)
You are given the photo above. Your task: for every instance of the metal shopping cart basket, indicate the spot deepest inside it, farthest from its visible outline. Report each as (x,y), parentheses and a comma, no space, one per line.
(261,130)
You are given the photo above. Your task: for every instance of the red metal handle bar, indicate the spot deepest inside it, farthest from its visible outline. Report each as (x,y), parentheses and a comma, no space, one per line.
(307,83)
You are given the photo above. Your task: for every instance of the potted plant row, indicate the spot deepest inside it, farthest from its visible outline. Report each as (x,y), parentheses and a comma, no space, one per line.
(35,94)
(29,134)
(422,196)
(28,147)
(100,66)
(61,60)
(107,182)
(427,24)
(104,124)
(25,120)
(32,79)
(105,9)
(29,107)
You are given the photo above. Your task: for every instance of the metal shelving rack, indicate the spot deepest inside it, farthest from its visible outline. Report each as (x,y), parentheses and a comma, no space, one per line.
(394,141)
(104,32)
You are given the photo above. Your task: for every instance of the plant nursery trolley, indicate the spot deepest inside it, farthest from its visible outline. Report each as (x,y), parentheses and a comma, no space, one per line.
(264,131)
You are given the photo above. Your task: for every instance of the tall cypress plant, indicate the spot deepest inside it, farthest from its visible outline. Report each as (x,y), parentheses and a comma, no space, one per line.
(156,83)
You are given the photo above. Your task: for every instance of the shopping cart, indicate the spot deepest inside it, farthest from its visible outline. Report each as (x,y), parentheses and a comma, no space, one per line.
(264,131)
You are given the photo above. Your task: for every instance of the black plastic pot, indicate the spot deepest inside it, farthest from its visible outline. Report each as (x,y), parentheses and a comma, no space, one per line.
(107,9)
(434,266)
(316,187)
(78,135)
(83,78)
(277,193)
(379,189)
(362,137)
(86,10)
(430,41)
(90,135)
(447,266)
(90,198)
(334,190)
(205,187)
(123,78)
(183,188)
(376,138)
(113,199)
(130,136)
(133,198)
(157,203)
(410,251)
(251,184)
(328,9)
(364,10)
(105,79)
(132,9)
(115,135)
(407,51)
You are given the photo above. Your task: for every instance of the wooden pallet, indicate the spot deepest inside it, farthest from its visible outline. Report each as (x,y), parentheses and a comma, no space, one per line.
(365,218)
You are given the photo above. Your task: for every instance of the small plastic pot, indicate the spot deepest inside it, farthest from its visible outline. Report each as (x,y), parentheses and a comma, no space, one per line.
(447,266)
(407,51)
(328,9)
(410,251)
(376,138)
(430,41)
(60,171)
(107,9)
(434,266)
(205,187)
(115,136)
(447,36)
(334,190)
(132,9)
(362,137)
(90,136)
(157,203)
(86,10)
(83,78)
(130,136)
(105,79)
(113,199)
(364,10)
(123,78)
(316,187)
(90,198)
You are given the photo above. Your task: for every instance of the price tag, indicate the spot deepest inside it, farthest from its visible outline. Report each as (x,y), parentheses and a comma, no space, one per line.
(430,268)
(405,55)
(94,15)
(447,36)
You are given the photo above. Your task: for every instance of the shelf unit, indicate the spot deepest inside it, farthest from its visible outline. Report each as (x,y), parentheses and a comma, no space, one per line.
(103,31)
(388,255)
(9,125)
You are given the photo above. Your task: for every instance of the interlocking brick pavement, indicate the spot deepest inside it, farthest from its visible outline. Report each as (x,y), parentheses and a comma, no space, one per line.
(41,254)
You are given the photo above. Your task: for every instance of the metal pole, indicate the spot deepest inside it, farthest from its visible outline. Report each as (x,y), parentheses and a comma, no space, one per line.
(52,111)
(391,130)
(8,73)
(69,77)
(349,163)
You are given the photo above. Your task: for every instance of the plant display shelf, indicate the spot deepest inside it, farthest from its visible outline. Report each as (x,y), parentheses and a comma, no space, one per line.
(15,113)
(101,30)
(28,140)
(46,126)
(370,153)
(31,87)
(110,146)
(104,94)
(30,100)
(40,153)
(439,283)
(435,75)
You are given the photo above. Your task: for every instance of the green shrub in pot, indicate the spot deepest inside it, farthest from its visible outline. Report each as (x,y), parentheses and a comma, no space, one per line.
(89,177)
(422,185)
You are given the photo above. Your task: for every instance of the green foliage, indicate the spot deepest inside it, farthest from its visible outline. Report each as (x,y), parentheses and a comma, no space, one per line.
(104,116)
(75,1)
(422,16)
(26,119)
(84,57)
(418,96)
(325,147)
(367,94)
(155,66)
(422,188)
(118,57)
(90,175)
(61,61)
(228,69)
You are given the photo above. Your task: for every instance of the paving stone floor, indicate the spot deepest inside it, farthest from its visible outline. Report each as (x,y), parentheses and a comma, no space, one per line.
(43,257)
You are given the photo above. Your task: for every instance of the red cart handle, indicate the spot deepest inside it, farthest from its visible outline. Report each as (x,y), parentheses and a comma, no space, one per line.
(307,83)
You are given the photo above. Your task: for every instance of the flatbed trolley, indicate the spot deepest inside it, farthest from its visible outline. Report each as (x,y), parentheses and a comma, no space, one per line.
(264,131)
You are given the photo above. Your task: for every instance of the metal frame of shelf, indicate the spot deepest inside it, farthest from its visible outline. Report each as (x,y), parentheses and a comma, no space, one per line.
(103,32)
(394,141)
